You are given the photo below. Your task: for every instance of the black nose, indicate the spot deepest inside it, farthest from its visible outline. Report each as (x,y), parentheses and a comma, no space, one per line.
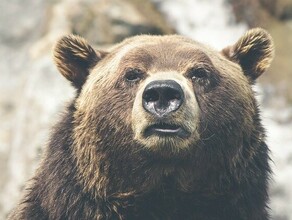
(162,97)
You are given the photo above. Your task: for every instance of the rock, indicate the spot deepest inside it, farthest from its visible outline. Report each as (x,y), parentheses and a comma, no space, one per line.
(101,22)
(251,11)
(262,12)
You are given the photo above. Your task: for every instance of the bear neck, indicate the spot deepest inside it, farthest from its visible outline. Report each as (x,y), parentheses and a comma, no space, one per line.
(99,169)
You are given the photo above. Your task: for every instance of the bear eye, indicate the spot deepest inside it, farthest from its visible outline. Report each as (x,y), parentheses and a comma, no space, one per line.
(197,73)
(133,75)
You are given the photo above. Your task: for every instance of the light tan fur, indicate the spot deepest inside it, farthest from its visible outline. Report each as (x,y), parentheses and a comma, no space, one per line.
(187,116)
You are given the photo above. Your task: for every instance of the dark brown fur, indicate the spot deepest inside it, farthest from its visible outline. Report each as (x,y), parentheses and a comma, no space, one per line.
(93,168)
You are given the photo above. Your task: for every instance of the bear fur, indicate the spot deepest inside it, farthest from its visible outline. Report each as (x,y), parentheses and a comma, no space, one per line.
(100,165)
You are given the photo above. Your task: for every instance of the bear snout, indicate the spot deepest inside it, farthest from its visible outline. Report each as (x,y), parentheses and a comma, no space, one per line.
(165,113)
(162,97)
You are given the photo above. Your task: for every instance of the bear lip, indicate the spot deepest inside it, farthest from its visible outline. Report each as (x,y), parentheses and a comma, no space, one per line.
(163,129)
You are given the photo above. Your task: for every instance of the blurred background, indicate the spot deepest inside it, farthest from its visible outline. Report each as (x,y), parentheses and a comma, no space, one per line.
(33,93)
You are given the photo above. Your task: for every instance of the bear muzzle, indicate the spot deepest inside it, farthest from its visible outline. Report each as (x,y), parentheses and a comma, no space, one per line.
(161,98)
(165,112)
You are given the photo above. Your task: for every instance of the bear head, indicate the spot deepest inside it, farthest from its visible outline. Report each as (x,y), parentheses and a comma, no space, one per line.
(156,99)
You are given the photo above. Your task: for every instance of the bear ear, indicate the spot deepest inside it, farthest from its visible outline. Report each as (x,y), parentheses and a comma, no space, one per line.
(254,52)
(74,58)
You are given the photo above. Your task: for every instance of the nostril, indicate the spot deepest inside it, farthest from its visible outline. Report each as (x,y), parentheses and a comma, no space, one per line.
(172,95)
(151,96)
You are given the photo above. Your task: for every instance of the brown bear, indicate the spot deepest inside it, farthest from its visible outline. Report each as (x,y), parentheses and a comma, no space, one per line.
(162,127)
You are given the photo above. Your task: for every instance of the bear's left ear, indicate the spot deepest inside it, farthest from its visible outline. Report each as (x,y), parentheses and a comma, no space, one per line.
(254,52)
(74,58)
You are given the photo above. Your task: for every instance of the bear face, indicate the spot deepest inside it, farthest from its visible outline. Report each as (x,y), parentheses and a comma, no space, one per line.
(162,127)
(215,88)
(165,96)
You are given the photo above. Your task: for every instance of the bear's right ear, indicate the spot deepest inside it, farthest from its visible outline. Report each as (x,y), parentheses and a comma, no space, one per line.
(74,58)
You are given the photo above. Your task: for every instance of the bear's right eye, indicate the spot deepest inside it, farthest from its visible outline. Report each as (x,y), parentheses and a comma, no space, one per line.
(133,75)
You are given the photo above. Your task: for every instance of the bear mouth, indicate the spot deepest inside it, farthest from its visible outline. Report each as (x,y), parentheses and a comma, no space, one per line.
(163,129)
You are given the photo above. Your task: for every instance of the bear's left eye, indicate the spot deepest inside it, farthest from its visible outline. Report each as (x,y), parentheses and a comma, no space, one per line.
(133,75)
(197,73)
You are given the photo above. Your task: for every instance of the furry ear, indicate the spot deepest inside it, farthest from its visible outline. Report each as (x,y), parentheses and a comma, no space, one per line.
(74,58)
(254,52)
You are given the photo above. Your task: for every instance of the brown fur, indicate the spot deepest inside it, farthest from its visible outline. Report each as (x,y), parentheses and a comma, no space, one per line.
(99,165)
(254,52)
(75,58)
